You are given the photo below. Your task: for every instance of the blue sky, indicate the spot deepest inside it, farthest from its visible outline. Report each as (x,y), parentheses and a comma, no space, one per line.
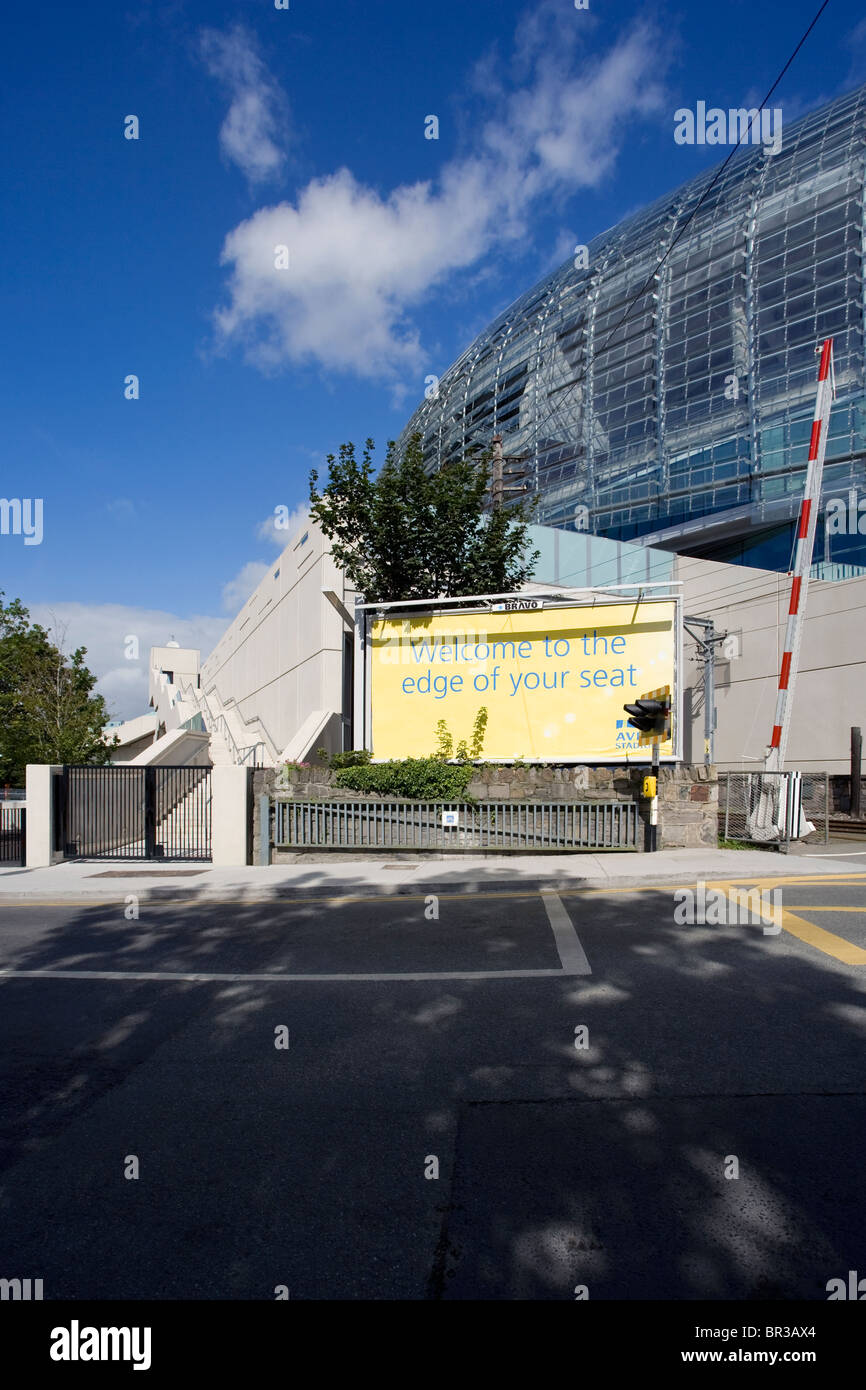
(302,127)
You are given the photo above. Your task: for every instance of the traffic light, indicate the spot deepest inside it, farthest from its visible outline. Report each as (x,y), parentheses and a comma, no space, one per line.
(651,716)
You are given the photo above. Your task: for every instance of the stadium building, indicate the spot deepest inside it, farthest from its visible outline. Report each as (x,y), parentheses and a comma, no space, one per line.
(663,392)
(659,402)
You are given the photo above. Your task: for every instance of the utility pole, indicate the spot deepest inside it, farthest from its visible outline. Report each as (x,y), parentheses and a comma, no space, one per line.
(706,642)
(856,753)
(502,466)
(496,478)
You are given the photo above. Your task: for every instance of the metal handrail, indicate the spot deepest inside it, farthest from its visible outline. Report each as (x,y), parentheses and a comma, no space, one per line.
(218,722)
(260,743)
(269,743)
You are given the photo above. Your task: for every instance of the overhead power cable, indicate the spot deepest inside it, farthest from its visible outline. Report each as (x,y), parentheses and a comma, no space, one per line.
(711,185)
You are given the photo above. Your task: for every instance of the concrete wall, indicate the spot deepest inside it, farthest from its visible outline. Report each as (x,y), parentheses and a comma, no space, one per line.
(180,747)
(282,657)
(182,662)
(136,735)
(830,693)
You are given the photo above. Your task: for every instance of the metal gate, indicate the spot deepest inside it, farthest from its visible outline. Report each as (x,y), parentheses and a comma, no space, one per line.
(13,833)
(122,812)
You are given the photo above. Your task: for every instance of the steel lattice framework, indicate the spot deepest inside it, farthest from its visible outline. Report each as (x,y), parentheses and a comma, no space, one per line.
(689,423)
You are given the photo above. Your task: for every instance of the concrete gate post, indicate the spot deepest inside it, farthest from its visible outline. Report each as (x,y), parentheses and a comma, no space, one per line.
(40,816)
(228,816)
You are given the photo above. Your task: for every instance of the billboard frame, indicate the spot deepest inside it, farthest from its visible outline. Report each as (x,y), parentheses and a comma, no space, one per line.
(368,613)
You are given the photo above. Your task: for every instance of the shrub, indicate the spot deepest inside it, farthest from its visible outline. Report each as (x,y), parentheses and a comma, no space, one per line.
(421,779)
(353,757)
(445,741)
(479,728)
(464,751)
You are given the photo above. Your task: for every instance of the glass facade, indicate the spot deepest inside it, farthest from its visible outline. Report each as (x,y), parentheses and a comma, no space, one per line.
(686,424)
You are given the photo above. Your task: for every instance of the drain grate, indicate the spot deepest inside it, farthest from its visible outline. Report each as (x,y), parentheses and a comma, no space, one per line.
(148,873)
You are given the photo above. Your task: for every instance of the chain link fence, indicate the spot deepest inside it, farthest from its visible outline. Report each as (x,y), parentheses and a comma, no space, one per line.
(774,808)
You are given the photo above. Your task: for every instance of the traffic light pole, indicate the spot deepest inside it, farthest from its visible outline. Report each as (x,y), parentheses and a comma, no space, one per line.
(654,803)
(651,716)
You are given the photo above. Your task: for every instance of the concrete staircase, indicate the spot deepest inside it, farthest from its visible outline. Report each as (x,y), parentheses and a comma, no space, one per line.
(220,753)
(233,740)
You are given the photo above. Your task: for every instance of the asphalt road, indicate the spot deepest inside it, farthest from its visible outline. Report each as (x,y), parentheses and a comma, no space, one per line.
(710,1050)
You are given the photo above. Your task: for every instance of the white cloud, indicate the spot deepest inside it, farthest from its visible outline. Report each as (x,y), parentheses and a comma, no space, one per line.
(104,629)
(250,133)
(360,261)
(236,592)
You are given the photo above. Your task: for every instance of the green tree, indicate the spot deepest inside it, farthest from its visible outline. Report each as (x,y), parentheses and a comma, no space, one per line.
(407,534)
(48,713)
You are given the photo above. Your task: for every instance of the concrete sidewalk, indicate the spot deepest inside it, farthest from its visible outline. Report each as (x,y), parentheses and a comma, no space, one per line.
(111,879)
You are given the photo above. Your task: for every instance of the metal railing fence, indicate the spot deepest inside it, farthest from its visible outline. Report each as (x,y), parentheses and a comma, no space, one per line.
(489,825)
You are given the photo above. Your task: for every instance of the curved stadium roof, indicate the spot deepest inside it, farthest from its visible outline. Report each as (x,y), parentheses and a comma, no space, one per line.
(641,421)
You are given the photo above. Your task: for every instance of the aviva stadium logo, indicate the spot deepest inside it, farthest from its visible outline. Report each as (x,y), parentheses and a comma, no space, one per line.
(626,736)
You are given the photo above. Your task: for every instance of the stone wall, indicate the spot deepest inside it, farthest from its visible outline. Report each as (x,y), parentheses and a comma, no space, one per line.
(688,795)
(840,794)
(688,807)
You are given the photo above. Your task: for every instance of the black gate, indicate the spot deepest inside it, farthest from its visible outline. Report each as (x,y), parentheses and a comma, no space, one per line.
(122,812)
(13,833)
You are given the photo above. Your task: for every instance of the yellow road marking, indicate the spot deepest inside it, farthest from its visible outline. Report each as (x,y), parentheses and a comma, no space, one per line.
(802,878)
(822,907)
(825,941)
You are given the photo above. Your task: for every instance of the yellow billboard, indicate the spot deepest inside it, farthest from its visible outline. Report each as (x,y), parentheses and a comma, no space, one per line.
(553,679)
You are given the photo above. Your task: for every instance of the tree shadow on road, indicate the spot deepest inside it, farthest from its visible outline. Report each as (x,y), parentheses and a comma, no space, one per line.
(608,1166)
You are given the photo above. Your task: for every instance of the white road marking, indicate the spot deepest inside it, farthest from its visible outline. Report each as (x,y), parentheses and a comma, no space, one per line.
(571,953)
(848,854)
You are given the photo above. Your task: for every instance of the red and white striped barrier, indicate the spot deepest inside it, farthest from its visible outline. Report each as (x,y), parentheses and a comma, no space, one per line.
(802,560)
